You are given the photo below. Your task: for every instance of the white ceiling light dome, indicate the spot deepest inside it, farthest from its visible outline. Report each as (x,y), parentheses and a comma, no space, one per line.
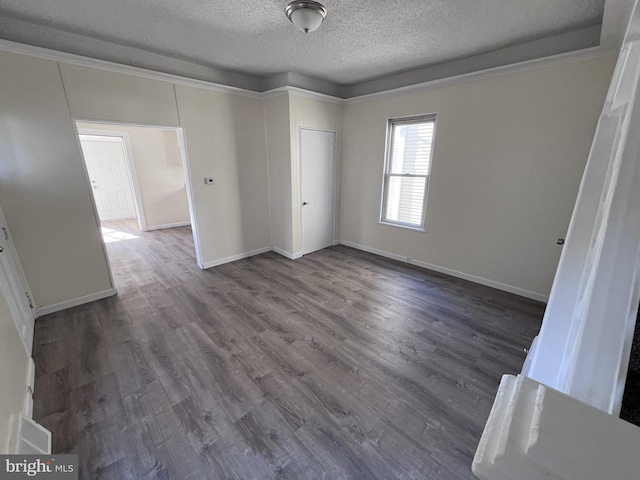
(306,15)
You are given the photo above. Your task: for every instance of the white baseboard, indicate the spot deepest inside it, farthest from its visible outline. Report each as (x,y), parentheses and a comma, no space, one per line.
(283,253)
(75,302)
(375,251)
(233,258)
(168,225)
(290,256)
(454,273)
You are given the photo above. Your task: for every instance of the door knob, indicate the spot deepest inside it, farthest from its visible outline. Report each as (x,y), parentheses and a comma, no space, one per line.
(1,249)
(305,203)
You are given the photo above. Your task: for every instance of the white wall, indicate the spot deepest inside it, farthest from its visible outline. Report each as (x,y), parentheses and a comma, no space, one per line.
(96,94)
(14,365)
(509,156)
(43,188)
(276,114)
(225,137)
(159,170)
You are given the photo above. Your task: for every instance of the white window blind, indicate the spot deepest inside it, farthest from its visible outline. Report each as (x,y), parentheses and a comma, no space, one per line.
(407,168)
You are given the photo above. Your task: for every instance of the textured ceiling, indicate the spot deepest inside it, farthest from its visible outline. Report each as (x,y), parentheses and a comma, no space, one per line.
(359,41)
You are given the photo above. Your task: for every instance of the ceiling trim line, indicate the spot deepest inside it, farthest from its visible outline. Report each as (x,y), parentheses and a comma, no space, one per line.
(301,92)
(73,59)
(543,62)
(57,56)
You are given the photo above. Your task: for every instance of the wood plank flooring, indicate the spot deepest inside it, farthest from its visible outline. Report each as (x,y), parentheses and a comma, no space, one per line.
(630,410)
(338,365)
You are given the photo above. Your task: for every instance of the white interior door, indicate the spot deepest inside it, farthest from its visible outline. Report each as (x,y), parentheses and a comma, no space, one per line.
(109,176)
(317,170)
(13,288)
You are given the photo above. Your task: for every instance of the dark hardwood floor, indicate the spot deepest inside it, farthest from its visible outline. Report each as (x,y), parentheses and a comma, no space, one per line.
(338,365)
(630,410)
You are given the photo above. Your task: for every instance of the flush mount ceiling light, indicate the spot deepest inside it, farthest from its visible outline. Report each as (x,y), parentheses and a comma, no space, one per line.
(306,15)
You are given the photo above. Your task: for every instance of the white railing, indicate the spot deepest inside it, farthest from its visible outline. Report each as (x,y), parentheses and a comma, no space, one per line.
(559,419)
(594,299)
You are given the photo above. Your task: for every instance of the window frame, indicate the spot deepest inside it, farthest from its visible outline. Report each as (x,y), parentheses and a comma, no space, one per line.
(391,123)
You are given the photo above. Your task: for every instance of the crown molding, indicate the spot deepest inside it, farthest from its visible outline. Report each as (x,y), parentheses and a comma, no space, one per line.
(73,59)
(275,92)
(70,58)
(54,55)
(543,62)
(509,55)
(301,92)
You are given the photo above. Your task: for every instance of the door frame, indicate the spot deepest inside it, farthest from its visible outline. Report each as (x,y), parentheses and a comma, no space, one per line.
(187,179)
(12,301)
(131,167)
(333,184)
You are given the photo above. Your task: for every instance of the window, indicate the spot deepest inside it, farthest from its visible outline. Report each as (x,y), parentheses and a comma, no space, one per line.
(407,167)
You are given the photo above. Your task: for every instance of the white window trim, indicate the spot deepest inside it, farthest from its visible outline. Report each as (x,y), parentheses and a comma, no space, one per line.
(391,122)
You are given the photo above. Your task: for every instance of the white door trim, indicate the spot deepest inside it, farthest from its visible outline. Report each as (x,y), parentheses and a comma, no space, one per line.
(187,176)
(13,302)
(333,185)
(23,277)
(131,167)
(187,181)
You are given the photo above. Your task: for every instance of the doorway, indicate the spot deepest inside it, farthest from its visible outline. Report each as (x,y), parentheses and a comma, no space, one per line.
(139,178)
(110,176)
(317,171)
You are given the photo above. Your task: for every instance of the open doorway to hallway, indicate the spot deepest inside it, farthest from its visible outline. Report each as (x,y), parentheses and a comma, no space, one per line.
(139,179)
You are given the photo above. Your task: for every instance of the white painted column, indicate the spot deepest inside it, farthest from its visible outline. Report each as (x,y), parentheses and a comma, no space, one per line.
(584,344)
